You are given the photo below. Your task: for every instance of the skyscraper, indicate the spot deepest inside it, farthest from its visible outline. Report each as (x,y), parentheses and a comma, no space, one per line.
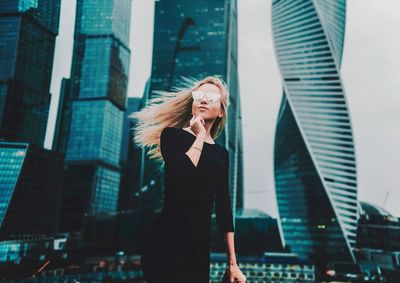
(28,31)
(196,39)
(315,164)
(30,176)
(131,210)
(98,90)
(30,187)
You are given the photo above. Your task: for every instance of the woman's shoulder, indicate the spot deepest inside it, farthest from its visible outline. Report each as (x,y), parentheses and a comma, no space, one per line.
(169,131)
(222,152)
(170,128)
(221,148)
(170,134)
(225,152)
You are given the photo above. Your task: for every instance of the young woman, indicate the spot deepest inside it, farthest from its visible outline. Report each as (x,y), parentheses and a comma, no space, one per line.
(184,126)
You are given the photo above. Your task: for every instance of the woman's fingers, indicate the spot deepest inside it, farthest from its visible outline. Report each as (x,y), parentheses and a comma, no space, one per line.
(198,118)
(192,120)
(193,123)
(197,123)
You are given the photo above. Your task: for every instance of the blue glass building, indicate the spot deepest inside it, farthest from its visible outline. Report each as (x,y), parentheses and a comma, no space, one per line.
(28,30)
(97,95)
(30,187)
(314,162)
(377,228)
(30,176)
(196,39)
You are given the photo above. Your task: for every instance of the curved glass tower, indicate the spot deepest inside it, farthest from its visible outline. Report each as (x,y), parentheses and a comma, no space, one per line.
(314,159)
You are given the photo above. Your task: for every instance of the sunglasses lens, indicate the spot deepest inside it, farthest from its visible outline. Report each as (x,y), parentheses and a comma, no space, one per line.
(198,95)
(213,96)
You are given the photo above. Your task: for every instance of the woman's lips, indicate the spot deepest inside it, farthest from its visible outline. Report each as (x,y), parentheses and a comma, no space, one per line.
(203,108)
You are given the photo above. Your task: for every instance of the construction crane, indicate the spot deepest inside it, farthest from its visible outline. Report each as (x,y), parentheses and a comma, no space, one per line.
(385,199)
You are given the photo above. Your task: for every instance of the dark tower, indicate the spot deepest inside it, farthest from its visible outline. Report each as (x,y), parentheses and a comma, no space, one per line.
(98,90)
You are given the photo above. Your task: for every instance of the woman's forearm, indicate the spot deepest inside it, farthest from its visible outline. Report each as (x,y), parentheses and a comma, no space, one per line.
(230,247)
(194,153)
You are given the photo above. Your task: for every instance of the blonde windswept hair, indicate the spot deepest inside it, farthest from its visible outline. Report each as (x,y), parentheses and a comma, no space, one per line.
(174,109)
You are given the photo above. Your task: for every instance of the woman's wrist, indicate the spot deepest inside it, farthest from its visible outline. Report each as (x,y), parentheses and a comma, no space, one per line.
(202,136)
(199,142)
(232,264)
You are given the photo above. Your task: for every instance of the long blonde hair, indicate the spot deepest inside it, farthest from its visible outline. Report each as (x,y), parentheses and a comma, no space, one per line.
(174,109)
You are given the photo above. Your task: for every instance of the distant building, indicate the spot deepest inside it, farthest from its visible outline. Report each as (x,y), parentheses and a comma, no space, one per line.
(30,176)
(256,233)
(376,260)
(31,248)
(314,155)
(271,267)
(377,228)
(98,91)
(131,160)
(28,31)
(138,199)
(30,179)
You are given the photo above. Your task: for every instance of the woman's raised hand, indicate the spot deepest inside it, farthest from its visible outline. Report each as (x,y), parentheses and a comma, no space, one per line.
(197,125)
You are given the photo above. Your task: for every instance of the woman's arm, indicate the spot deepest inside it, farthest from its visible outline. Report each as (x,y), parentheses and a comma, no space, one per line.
(223,207)
(195,149)
(230,248)
(235,274)
(225,223)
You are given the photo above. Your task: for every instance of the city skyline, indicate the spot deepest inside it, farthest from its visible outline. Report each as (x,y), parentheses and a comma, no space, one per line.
(374,118)
(311,140)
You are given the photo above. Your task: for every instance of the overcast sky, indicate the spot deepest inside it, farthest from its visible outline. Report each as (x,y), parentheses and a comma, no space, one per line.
(370,73)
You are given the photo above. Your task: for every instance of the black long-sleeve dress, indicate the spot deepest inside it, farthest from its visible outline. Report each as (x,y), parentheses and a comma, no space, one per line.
(177,246)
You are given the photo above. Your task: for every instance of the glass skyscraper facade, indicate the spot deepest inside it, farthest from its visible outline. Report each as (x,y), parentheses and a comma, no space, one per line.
(28,29)
(314,158)
(30,176)
(97,92)
(130,194)
(30,186)
(196,39)
(377,228)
